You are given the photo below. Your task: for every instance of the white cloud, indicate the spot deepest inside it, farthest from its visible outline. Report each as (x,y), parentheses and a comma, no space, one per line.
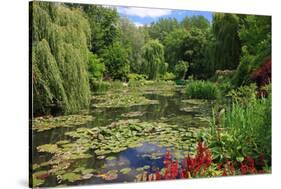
(137,24)
(144,12)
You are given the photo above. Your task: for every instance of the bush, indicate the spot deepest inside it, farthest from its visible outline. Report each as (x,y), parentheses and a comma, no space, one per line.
(168,76)
(96,67)
(115,85)
(100,86)
(244,96)
(245,130)
(135,83)
(136,77)
(181,69)
(202,90)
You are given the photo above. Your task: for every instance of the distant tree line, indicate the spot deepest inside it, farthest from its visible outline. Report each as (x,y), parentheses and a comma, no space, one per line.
(76,44)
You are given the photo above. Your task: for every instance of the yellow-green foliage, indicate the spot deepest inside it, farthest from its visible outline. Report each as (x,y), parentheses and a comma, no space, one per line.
(60,39)
(153,55)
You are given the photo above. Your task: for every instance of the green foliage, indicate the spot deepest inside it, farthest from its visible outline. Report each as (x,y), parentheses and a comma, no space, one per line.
(227,45)
(136,77)
(104,26)
(195,52)
(153,55)
(174,49)
(181,69)
(96,67)
(244,96)
(255,35)
(100,86)
(59,57)
(133,39)
(160,29)
(245,130)
(168,76)
(199,22)
(116,61)
(202,90)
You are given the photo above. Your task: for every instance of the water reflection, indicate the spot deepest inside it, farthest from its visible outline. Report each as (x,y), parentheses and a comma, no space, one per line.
(169,110)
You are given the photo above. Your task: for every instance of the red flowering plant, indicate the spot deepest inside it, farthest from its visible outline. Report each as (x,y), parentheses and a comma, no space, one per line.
(202,165)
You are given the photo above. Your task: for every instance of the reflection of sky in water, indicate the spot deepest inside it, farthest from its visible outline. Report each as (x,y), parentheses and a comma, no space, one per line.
(134,156)
(137,157)
(168,110)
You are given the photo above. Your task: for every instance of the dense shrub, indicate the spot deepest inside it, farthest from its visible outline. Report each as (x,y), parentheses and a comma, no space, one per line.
(168,76)
(245,129)
(116,61)
(202,90)
(262,75)
(136,77)
(133,84)
(96,67)
(181,69)
(100,86)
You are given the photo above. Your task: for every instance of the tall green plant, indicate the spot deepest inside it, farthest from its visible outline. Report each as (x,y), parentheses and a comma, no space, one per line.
(227,47)
(153,55)
(202,90)
(59,56)
(244,130)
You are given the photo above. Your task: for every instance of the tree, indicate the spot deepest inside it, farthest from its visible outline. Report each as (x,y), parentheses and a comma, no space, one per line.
(181,69)
(255,35)
(174,47)
(160,29)
(227,45)
(153,56)
(132,39)
(199,22)
(116,61)
(194,46)
(104,23)
(60,39)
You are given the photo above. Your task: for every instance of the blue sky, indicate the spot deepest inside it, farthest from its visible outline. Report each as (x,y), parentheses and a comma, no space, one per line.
(141,16)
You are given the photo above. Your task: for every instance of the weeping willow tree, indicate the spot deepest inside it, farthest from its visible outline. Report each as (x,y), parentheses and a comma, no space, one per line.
(60,39)
(227,43)
(153,57)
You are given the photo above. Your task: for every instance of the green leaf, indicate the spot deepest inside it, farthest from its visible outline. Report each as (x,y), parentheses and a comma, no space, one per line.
(240,158)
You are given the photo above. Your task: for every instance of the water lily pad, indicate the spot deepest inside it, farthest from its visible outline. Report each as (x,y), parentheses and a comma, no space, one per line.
(195,101)
(100,157)
(146,167)
(50,148)
(110,158)
(121,100)
(140,169)
(87,176)
(110,175)
(48,122)
(71,177)
(133,114)
(125,170)
(37,182)
(62,142)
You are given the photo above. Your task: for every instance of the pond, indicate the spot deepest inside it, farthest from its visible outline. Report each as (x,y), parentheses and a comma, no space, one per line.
(119,141)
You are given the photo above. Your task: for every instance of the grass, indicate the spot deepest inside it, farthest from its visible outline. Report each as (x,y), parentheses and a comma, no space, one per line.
(202,90)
